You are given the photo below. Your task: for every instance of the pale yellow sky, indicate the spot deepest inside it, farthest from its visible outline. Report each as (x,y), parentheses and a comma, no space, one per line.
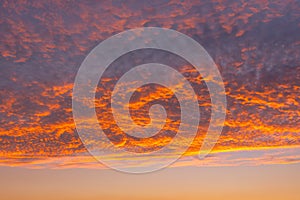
(188,183)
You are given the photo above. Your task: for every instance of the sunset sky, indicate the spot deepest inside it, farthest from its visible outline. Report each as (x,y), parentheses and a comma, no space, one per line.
(256,46)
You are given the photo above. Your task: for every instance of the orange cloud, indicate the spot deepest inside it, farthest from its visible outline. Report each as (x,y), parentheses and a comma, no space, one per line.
(42,46)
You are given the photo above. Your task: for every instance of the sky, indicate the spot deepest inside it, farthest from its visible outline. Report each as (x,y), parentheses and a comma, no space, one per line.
(255,45)
(212,183)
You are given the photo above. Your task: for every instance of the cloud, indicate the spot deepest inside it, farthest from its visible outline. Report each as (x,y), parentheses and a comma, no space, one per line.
(255,45)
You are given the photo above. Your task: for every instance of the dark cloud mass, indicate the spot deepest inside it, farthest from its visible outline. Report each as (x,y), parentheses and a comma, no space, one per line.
(256,45)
